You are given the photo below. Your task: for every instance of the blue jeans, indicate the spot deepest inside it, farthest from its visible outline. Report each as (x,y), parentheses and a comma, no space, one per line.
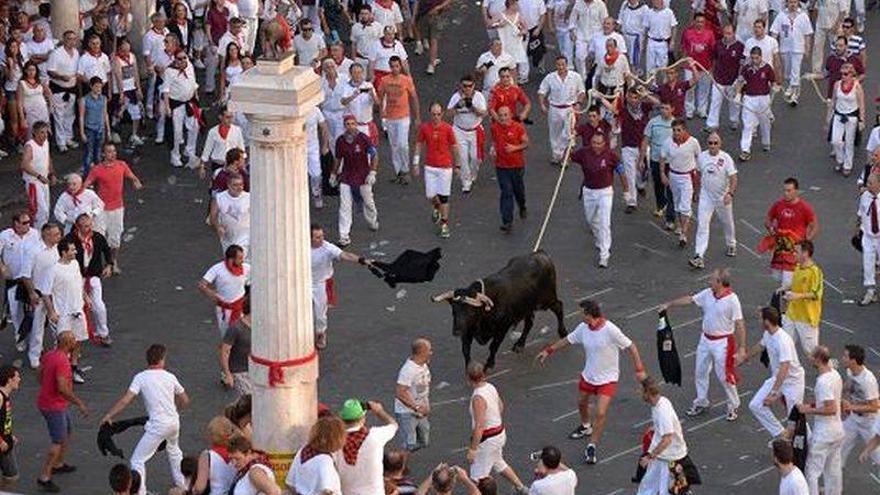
(662,194)
(416,431)
(510,181)
(94,141)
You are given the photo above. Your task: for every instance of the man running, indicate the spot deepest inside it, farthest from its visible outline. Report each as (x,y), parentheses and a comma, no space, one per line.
(437,140)
(225,284)
(560,94)
(510,140)
(602,341)
(861,402)
(356,162)
(678,164)
(789,221)
(396,93)
(467,106)
(718,181)
(756,80)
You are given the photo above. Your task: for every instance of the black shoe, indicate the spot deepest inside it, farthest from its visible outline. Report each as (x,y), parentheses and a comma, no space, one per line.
(506,228)
(523,212)
(581,431)
(48,486)
(590,454)
(63,469)
(629,209)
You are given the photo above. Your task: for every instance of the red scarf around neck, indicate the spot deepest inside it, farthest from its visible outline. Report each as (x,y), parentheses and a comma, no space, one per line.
(221,451)
(353,442)
(723,293)
(596,325)
(611,58)
(87,242)
(235,270)
(223,130)
(75,196)
(685,136)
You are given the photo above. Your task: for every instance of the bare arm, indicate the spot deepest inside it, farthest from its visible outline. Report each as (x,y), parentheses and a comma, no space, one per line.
(181,400)
(201,482)
(478,405)
(550,349)
(208,289)
(118,407)
(740,330)
(633,351)
(680,301)
(262,483)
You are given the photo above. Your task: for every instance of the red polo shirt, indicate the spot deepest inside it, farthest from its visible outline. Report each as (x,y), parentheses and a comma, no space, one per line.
(502,135)
(508,97)
(699,45)
(728,59)
(439,140)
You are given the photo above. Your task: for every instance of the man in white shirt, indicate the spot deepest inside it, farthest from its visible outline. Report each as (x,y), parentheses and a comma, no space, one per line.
(248,11)
(861,402)
(768,44)
(868,214)
(718,181)
(561,93)
(667,444)
(231,215)
(745,13)
(364,35)
(220,139)
(359,98)
(310,48)
(39,47)
(17,245)
(412,404)
(41,271)
(830,13)
(722,342)
(467,106)
(791,479)
(37,173)
(359,462)
(584,21)
(597,48)
(153,43)
(632,25)
(66,296)
(794,31)
(75,201)
(602,342)
(180,88)
(61,69)
(491,62)
(786,380)
(660,24)
(317,144)
(552,476)
(678,165)
(163,397)
(225,284)
(824,455)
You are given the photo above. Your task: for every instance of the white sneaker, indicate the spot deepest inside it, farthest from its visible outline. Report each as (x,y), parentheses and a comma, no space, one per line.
(114,137)
(3,154)
(868,298)
(137,140)
(62,149)
(198,64)
(430,69)
(419,49)
(159,140)
(72,144)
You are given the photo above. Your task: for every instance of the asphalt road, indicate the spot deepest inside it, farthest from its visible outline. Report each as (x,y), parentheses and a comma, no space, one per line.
(167,248)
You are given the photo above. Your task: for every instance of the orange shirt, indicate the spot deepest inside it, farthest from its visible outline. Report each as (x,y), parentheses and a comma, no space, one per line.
(502,135)
(439,140)
(396,90)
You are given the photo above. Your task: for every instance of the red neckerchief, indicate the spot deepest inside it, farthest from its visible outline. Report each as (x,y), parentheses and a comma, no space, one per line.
(599,323)
(353,442)
(87,241)
(307,453)
(223,130)
(221,451)
(126,59)
(95,54)
(724,293)
(847,88)
(610,59)
(385,4)
(685,138)
(235,270)
(34,85)
(75,196)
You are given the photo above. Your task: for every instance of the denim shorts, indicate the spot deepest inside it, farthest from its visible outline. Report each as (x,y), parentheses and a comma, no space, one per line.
(59,425)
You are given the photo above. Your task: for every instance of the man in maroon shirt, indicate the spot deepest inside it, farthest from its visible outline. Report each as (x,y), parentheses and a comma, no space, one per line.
(599,165)
(594,124)
(837,59)
(756,79)
(727,58)
(673,91)
(510,141)
(358,158)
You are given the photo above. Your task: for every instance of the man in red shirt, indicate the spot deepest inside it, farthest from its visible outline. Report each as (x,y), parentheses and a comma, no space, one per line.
(358,158)
(599,165)
(56,391)
(109,176)
(595,124)
(698,43)
(510,141)
(789,221)
(437,139)
(507,94)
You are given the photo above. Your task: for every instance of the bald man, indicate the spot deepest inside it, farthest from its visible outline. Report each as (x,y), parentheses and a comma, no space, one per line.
(411,403)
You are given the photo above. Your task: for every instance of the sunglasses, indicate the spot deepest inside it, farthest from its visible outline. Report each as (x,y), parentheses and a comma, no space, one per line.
(467,85)
(182,59)
(714,142)
(308,29)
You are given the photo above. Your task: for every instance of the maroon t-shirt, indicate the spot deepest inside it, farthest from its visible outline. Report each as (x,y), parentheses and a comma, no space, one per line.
(586,131)
(758,79)
(355,158)
(220,182)
(218,20)
(833,65)
(598,168)
(674,95)
(728,59)
(632,128)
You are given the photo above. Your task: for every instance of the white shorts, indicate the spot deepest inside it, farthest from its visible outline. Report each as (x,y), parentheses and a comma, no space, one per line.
(438,181)
(114,226)
(75,323)
(489,457)
(682,186)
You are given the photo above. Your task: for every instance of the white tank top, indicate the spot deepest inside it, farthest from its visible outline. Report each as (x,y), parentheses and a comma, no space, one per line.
(492,417)
(40,162)
(846,103)
(222,474)
(244,485)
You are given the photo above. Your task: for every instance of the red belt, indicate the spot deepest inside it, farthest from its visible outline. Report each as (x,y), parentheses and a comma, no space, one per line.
(730,374)
(491,432)
(235,308)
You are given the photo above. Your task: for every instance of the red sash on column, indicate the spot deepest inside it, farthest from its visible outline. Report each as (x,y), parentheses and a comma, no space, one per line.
(730,374)
(235,307)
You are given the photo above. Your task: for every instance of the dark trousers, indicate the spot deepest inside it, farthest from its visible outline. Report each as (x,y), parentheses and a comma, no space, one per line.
(510,181)
(662,194)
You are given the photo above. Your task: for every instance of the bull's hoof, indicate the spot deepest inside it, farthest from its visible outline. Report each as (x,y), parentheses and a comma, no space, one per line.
(518,348)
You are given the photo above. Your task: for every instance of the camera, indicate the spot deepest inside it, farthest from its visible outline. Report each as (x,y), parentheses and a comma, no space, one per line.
(365,405)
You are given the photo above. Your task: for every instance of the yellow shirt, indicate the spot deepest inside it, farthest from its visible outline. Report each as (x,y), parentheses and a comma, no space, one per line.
(807,280)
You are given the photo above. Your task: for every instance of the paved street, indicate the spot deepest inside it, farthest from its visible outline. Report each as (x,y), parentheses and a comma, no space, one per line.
(168,247)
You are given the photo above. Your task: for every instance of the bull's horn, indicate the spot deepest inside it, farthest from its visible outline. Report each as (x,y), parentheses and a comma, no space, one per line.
(483,298)
(442,297)
(477,303)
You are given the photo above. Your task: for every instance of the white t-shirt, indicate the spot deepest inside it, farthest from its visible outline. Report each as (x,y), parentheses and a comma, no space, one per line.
(387,17)
(307,49)
(43,269)
(829,386)
(316,476)
(559,92)
(322,262)
(229,287)
(768,45)
(666,422)
(364,37)
(467,118)
(792,33)
(747,12)
(681,157)
(862,388)
(530,12)
(490,78)
(659,23)
(560,483)
(417,378)
(794,483)
(361,106)
(602,350)
(780,349)
(719,315)
(313,142)
(90,66)
(157,387)
(67,288)
(631,19)
(380,55)
(234,214)
(715,174)
(365,477)
(16,251)
(64,64)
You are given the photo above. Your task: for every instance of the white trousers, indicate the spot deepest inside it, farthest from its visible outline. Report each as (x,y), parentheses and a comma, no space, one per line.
(597,211)
(398,139)
(63,112)
(565,45)
(559,124)
(467,150)
(697,98)
(656,479)
(182,122)
(793,393)
(319,307)
(635,180)
(712,353)
(335,127)
(38,329)
(802,331)
(870,258)
(821,38)
(635,44)
(707,207)
(719,95)
(824,460)
(99,309)
(855,427)
(581,51)
(755,114)
(250,34)
(783,277)
(371,215)
(791,66)
(656,55)
(16,310)
(146,448)
(843,140)
(212,62)
(682,187)
(38,201)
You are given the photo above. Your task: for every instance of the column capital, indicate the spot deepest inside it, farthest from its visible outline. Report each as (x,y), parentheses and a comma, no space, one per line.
(276,88)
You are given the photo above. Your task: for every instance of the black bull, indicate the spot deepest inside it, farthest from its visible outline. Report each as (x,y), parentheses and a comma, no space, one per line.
(488,308)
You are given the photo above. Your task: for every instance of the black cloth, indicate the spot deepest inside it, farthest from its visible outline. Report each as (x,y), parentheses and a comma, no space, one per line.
(410,267)
(685,474)
(185,42)
(856,241)
(108,41)
(100,253)
(775,303)
(799,440)
(536,48)
(667,354)
(106,445)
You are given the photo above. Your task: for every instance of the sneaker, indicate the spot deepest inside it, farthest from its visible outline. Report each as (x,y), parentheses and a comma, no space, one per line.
(137,140)
(670,226)
(659,212)
(603,262)
(696,410)
(404,179)
(444,231)
(343,242)
(677,231)
(419,50)
(63,469)
(114,138)
(767,148)
(159,140)
(590,454)
(72,144)
(78,377)
(3,154)
(21,346)
(430,70)
(506,228)
(436,62)
(682,242)
(745,156)
(35,365)
(787,93)
(581,431)
(435,215)
(523,212)
(321,340)
(697,262)
(62,149)
(198,64)
(48,486)
(868,298)
(732,415)
(731,252)
(629,209)
(104,341)
(373,227)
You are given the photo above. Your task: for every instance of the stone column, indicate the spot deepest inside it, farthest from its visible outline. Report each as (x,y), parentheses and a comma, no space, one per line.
(141,10)
(65,17)
(276,96)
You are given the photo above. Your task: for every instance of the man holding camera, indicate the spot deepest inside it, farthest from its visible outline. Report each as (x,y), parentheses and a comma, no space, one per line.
(467,108)
(360,461)
(552,477)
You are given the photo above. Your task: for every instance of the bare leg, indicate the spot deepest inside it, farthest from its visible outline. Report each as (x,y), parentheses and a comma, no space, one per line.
(584,407)
(602,403)
(511,476)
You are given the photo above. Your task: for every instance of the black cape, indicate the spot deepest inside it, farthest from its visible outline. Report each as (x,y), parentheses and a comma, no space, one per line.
(108,430)
(667,354)
(536,48)
(775,303)
(799,440)
(410,267)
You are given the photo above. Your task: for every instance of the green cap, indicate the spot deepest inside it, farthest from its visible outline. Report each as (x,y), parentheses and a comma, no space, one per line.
(352,410)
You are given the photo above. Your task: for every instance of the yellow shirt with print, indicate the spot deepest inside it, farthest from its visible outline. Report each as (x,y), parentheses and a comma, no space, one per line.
(807,280)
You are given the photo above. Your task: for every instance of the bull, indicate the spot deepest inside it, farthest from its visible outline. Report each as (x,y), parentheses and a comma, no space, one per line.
(488,308)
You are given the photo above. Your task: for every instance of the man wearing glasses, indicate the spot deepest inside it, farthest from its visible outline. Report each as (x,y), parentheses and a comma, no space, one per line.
(17,246)
(718,180)
(467,107)
(179,99)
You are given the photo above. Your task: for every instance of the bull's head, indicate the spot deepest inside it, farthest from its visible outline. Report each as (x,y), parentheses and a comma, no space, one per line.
(468,306)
